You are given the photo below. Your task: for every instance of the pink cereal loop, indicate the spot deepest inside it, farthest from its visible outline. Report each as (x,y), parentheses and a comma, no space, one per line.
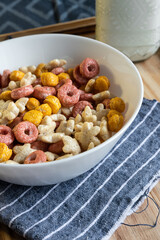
(85,96)
(25,132)
(22,92)
(68,95)
(42,92)
(62,82)
(58,70)
(6,135)
(36,157)
(89,68)
(79,107)
(78,76)
(15,122)
(56,147)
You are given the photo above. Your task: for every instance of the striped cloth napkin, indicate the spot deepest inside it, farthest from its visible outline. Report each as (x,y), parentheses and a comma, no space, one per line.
(93,205)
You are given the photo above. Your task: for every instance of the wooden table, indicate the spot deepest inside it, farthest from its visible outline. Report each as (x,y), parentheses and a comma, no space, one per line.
(150,73)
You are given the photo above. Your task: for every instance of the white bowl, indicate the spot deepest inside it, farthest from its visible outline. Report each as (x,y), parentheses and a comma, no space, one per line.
(125,82)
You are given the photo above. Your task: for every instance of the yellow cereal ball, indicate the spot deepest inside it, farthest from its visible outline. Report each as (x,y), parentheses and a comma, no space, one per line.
(6,95)
(54,103)
(32,103)
(5,152)
(62,76)
(33,116)
(45,109)
(113,112)
(115,123)
(49,79)
(16,75)
(70,72)
(39,70)
(117,104)
(101,84)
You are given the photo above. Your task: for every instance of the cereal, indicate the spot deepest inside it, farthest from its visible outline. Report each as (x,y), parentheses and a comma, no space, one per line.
(54,103)
(115,123)
(89,68)
(4,80)
(42,92)
(99,97)
(52,113)
(11,112)
(5,152)
(88,116)
(88,134)
(104,133)
(38,145)
(31,69)
(66,127)
(58,70)
(35,157)
(39,70)
(68,95)
(45,109)
(117,104)
(33,116)
(56,147)
(10,162)
(64,156)
(50,156)
(28,79)
(21,152)
(6,95)
(70,145)
(79,107)
(78,77)
(25,132)
(12,85)
(101,111)
(16,75)
(90,85)
(85,96)
(54,64)
(62,76)
(22,92)
(49,79)
(21,104)
(6,135)
(102,83)
(32,103)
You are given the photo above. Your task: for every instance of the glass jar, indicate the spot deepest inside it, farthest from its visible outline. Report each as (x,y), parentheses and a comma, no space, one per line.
(131,26)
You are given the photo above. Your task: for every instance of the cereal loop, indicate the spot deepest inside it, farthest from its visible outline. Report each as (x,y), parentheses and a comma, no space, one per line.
(68,95)
(85,96)
(42,92)
(4,80)
(57,70)
(78,76)
(62,82)
(79,107)
(25,132)
(36,157)
(89,68)
(6,135)
(22,92)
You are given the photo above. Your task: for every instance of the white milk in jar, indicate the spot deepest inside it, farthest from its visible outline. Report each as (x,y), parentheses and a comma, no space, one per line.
(131,26)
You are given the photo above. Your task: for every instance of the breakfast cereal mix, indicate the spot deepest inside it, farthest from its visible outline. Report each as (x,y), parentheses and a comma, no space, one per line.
(48,112)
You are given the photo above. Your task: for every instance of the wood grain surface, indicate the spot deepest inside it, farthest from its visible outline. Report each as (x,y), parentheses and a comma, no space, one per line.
(150,73)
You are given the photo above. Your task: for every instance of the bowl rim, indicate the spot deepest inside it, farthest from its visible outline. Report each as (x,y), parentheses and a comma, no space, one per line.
(121,131)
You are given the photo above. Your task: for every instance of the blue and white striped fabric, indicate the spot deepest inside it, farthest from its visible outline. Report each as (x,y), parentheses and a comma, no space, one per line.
(93,205)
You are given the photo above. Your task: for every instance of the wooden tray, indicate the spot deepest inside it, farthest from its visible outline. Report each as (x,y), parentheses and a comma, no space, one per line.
(150,73)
